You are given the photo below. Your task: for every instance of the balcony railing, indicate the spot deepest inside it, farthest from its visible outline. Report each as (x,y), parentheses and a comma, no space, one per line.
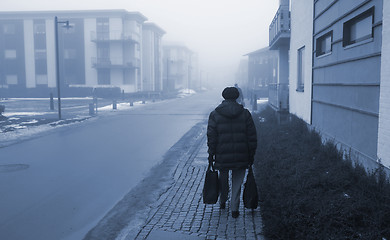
(114,36)
(278,96)
(115,63)
(279,29)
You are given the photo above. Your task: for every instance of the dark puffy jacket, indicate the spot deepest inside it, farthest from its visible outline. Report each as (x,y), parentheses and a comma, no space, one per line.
(231,136)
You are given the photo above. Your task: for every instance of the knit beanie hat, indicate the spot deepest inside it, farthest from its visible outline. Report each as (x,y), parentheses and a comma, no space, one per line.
(230,93)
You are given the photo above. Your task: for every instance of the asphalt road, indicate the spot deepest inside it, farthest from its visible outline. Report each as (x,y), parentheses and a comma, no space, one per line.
(60,185)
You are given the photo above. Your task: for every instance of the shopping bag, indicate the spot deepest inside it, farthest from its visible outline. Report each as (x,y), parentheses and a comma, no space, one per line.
(211,186)
(250,196)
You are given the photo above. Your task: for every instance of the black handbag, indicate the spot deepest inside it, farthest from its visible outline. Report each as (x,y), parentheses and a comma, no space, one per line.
(211,186)
(250,195)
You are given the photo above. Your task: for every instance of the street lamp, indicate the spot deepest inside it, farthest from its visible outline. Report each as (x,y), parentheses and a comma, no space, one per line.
(56,22)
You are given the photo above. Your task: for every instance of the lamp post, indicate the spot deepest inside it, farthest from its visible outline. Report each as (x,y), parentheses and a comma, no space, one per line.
(2,88)
(56,22)
(188,79)
(168,75)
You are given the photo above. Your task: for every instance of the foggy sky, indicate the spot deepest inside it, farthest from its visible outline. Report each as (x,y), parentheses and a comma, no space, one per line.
(220,31)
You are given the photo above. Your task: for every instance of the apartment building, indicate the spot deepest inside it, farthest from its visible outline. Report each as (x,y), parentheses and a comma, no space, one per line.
(279,40)
(177,62)
(336,81)
(99,48)
(263,72)
(195,78)
(152,58)
(241,76)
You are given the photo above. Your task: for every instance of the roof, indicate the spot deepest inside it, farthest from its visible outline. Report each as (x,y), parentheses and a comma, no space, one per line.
(74,13)
(153,27)
(262,50)
(172,45)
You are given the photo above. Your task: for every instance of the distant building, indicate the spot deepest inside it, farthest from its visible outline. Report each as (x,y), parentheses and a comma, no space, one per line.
(152,58)
(336,81)
(195,77)
(279,40)
(177,62)
(102,49)
(262,72)
(241,76)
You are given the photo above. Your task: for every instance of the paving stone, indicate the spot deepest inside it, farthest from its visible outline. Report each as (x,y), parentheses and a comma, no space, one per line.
(182,210)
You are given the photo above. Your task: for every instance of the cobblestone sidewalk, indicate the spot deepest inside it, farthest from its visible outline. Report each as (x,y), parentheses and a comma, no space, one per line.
(181,214)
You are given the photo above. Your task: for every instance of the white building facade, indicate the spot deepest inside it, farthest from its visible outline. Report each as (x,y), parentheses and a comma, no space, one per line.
(384,102)
(152,58)
(339,83)
(103,48)
(301,45)
(177,70)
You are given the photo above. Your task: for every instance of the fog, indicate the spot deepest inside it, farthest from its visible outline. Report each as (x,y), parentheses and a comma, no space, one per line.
(220,31)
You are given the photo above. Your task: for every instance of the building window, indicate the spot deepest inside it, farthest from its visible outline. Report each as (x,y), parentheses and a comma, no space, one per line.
(324,44)
(11,79)
(39,28)
(358,28)
(102,25)
(40,66)
(70,53)
(9,28)
(10,54)
(104,76)
(40,54)
(41,79)
(103,51)
(301,70)
(102,28)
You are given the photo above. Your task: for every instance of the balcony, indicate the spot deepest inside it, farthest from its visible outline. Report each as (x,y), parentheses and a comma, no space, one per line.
(114,36)
(278,96)
(115,63)
(279,29)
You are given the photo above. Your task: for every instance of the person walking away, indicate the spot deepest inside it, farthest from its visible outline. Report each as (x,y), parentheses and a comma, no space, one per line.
(240,98)
(232,142)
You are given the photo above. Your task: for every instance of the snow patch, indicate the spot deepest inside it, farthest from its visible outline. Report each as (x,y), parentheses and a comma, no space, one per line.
(262,100)
(186,92)
(8,114)
(30,122)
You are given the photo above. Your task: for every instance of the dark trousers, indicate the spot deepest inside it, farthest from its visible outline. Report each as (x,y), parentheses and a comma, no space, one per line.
(237,179)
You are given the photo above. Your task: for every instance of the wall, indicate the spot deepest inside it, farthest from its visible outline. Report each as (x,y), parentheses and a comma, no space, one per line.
(384,102)
(116,76)
(29,53)
(301,36)
(50,54)
(158,63)
(147,60)
(72,52)
(346,80)
(90,52)
(116,51)
(13,66)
